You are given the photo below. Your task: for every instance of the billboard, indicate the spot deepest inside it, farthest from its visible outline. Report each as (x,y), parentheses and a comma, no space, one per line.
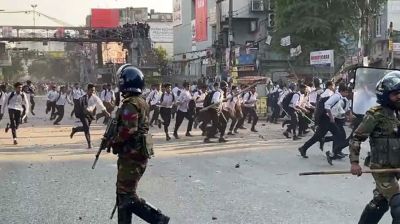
(161,32)
(177,12)
(322,57)
(201,20)
(105,18)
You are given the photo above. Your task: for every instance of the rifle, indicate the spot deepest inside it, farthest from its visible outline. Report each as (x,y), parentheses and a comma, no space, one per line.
(234,95)
(109,134)
(348,172)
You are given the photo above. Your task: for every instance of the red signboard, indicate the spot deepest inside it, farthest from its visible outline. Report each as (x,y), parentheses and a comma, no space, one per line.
(105,18)
(201,20)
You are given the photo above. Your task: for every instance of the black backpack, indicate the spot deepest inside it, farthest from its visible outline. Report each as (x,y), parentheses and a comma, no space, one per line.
(208,99)
(81,107)
(286,100)
(162,97)
(320,108)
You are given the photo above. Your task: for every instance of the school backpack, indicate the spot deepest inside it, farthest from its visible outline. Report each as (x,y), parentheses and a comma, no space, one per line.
(286,100)
(208,99)
(320,109)
(12,95)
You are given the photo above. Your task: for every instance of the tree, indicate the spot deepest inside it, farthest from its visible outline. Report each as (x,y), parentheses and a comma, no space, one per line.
(161,60)
(13,72)
(321,24)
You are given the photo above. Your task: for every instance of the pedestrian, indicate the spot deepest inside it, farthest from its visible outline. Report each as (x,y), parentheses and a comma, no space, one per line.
(183,111)
(249,108)
(167,100)
(199,97)
(31,93)
(293,111)
(152,99)
(51,102)
(381,125)
(3,96)
(108,98)
(62,98)
(14,102)
(132,146)
(84,110)
(76,94)
(213,113)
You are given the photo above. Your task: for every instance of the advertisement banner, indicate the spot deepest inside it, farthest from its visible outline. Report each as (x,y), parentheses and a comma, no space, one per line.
(322,58)
(201,20)
(161,32)
(177,12)
(105,18)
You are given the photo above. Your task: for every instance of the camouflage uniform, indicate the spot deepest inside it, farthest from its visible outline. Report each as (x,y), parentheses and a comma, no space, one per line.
(132,122)
(381,125)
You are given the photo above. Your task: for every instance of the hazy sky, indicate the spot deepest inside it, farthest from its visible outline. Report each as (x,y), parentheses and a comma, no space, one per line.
(73,12)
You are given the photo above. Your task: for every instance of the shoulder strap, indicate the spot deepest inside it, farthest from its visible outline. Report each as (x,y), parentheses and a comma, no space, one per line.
(162,98)
(59,96)
(11,96)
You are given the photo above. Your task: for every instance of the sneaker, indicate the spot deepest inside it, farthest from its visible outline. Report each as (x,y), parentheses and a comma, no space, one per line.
(15,142)
(321,144)
(286,134)
(303,153)
(89,146)
(230,133)
(7,128)
(168,138)
(242,128)
(329,158)
(56,123)
(222,140)
(207,140)
(33,113)
(236,131)
(176,136)
(188,134)
(254,130)
(295,138)
(72,133)
(159,124)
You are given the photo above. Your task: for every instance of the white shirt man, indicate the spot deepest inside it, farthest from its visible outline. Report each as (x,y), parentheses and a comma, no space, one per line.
(175,90)
(199,97)
(327,93)
(183,100)
(295,102)
(15,101)
(52,96)
(153,97)
(93,102)
(62,99)
(167,100)
(107,96)
(3,96)
(77,93)
(250,99)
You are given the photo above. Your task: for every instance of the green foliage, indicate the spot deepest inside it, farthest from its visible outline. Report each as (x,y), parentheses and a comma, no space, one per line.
(321,24)
(161,60)
(54,69)
(14,72)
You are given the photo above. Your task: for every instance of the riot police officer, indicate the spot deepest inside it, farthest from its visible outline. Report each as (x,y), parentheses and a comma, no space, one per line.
(133,146)
(381,125)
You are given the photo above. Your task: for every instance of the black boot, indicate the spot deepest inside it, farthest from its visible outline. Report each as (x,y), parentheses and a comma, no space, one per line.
(148,213)
(374,212)
(124,209)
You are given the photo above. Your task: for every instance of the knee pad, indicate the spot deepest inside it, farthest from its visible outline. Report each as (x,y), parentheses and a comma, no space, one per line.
(395,207)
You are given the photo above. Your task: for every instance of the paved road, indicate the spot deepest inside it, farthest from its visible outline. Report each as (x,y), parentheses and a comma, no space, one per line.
(47,179)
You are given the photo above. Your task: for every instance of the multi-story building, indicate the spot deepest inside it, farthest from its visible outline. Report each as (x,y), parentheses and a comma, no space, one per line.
(379,54)
(161,32)
(201,37)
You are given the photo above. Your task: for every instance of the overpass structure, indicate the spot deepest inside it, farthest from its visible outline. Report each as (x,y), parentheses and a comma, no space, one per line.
(134,40)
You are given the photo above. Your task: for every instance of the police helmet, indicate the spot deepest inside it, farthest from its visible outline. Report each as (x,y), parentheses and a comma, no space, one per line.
(131,79)
(223,84)
(388,84)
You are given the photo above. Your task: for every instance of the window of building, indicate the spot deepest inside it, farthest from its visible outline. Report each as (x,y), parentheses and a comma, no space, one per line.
(193,9)
(378,26)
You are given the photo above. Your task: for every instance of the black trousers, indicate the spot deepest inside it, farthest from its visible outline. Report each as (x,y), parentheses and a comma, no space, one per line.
(294,121)
(156,113)
(213,117)
(76,101)
(223,122)
(276,109)
(251,112)
(166,114)
(233,123)
(109,108)
(179,119)
(15,118)
(85,127)
(51,106)
(32,101)
(322,130)
(59,114)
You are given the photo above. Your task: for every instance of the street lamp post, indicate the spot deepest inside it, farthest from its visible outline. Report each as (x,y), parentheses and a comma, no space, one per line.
(34,18)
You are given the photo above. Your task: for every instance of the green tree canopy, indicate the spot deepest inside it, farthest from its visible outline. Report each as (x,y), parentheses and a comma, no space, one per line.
(321,24)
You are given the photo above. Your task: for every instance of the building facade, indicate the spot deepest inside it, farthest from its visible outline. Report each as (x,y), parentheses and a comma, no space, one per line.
(201,40)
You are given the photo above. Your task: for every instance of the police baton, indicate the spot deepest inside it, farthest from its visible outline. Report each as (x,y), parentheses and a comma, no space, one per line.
(333,172)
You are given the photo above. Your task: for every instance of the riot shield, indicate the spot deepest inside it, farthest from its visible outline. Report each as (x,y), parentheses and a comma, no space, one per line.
(364,88)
